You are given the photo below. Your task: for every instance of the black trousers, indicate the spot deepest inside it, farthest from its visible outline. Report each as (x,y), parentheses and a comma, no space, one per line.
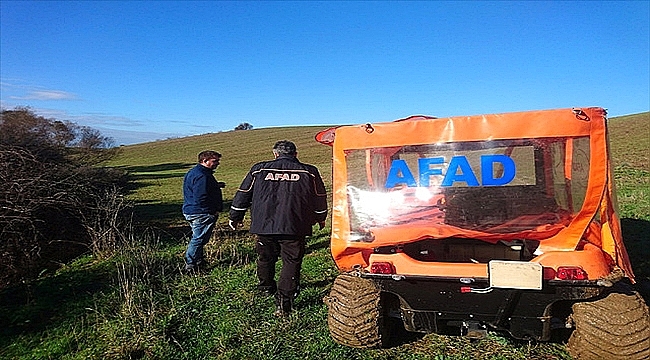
(290,249)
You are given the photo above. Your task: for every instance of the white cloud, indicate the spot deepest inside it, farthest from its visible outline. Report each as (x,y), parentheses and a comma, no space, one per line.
(128,137)
(124,130)
(99,119)
(14,90)
(47,95)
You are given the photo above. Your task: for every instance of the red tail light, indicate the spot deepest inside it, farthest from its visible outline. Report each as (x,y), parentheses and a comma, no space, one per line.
(382,268)
(548,273)
(571,273)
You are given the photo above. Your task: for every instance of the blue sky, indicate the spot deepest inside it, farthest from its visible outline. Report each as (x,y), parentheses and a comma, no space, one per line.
(142,70)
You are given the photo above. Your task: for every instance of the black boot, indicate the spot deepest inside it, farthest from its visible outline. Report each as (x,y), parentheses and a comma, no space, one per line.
(283,306)
(269,290)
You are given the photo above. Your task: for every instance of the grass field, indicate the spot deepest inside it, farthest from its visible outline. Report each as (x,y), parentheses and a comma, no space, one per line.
(138,304)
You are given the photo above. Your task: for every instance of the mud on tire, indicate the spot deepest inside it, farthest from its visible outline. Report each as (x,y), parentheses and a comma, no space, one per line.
(615,327)
(354,315)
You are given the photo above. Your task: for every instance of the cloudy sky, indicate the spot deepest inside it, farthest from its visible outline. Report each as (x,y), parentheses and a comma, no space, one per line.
(144,70)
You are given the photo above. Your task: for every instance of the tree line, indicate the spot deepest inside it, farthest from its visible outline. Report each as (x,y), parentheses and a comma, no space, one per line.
(56,202)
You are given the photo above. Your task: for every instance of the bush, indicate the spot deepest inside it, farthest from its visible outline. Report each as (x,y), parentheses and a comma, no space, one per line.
(54,203)
(244,126)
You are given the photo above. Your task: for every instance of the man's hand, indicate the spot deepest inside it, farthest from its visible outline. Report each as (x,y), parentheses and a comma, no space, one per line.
(234,224)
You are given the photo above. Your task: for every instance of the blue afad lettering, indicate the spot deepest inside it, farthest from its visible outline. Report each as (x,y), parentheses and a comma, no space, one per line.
(458,170)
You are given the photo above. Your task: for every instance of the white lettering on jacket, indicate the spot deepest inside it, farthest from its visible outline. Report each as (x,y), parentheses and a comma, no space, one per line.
(282,177)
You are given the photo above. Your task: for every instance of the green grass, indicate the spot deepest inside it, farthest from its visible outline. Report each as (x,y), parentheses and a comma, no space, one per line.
(138,304)
(159,167)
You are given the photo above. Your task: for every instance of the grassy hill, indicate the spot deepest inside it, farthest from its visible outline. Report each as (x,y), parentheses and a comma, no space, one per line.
(160,166)
(630,144)
(138,305)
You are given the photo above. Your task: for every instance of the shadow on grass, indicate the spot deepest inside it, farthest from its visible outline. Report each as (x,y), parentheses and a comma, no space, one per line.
(636,236)
(158,168)
(138,174)
(137,177)
(150,211)
(34,307)
(399,336)
(163,214)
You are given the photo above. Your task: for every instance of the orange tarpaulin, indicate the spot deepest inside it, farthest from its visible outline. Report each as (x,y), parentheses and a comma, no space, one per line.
(349,252)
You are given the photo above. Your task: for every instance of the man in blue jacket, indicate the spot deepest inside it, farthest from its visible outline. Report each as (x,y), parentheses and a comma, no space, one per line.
(202,202)
(286,198)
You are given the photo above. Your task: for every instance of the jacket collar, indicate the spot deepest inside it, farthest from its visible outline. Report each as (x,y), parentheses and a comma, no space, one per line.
(288,157)
(204,169)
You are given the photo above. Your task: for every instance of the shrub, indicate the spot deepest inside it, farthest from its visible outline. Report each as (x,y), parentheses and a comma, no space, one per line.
(244,126)
(54,203)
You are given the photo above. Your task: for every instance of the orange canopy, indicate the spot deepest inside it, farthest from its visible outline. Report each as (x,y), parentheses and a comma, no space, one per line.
(416,130)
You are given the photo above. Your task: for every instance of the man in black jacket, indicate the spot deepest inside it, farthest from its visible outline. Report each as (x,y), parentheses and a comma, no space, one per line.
(286,198)
(202,202)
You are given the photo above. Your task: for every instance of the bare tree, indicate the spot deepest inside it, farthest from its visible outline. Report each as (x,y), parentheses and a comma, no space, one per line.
(53,203)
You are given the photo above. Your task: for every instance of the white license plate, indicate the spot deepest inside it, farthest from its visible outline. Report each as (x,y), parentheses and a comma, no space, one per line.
(515,275)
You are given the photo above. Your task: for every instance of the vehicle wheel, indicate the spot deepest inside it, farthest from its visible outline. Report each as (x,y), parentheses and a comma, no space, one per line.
(355,317)
(615,327)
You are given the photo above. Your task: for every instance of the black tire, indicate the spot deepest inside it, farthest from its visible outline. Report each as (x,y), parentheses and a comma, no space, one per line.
(355,317)
(614,327)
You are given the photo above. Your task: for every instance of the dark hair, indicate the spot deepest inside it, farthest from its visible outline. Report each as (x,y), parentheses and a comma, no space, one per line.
(208,154)
(285,147)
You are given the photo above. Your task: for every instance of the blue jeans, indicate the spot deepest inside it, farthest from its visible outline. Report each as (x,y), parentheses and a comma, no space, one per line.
(202,226)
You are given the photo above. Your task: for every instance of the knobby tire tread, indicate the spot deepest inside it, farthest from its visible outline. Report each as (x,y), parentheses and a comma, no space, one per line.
(615,327)
(354,313)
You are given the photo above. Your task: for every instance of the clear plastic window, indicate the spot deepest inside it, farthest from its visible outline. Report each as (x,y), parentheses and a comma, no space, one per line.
(492,186)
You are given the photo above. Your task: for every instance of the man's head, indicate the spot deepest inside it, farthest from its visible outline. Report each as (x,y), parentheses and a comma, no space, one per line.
(209,159)
(285,147)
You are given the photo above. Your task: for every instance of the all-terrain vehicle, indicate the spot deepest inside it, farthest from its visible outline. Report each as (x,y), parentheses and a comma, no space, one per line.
(504,222)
